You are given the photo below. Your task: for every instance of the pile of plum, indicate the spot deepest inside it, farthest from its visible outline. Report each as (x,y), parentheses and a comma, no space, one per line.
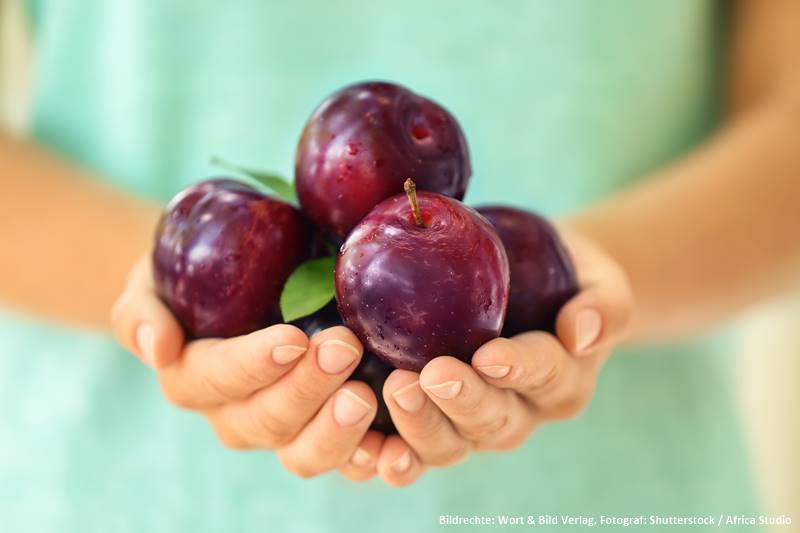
(380,242)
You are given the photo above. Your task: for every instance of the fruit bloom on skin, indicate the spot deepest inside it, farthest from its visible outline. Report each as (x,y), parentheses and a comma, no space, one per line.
(371,370)
(222,255)
(542,274)
(361,144)
(413,293)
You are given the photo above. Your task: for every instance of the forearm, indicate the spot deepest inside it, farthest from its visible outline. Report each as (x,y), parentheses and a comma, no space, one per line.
(67,241)
(714,233)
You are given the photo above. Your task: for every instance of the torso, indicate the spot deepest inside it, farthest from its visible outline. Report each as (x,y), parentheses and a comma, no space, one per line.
(561,103)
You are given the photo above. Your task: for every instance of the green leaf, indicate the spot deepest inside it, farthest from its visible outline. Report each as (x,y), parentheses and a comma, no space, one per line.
(278,185)
(308,289)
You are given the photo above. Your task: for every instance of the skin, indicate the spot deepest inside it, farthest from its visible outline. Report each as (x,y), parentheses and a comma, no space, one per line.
(749,169)
(80,235)
(252,401)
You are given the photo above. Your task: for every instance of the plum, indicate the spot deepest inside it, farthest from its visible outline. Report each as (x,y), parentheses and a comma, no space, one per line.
(542,274)
(363,141)
(421,277)
(222,255)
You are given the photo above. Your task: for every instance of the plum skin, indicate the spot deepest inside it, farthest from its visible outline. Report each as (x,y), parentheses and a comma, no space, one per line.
(371,370)
(363,141)
(543,276)
(222,254)
(414,293)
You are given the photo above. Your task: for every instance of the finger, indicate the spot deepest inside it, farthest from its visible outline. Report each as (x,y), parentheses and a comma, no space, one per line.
(143,324)
(216,371)
(597,317)
(421,423)
(488,416)
(271,417)
(362,464)
(537,367)
(398,466)
(331,439)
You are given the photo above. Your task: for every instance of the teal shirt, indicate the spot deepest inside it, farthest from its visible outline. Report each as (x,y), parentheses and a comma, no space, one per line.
(562,103)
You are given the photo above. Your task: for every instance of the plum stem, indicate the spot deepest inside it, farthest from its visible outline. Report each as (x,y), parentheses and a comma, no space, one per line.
(411,191)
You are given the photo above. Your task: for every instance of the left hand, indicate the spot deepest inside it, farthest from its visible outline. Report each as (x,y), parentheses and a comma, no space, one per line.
(512,386)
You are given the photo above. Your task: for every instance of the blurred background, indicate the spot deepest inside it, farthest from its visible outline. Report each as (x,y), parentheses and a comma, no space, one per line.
(768,339)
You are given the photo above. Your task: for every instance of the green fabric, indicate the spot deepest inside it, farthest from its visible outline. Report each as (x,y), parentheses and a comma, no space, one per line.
(562,102)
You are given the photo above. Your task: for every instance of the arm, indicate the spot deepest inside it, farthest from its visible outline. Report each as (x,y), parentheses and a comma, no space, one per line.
(67,241)
(720,230)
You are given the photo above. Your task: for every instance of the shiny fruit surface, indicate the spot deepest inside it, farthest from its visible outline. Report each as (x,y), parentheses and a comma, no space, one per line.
(413,293)
(223,252)
(542,274)
(362,142)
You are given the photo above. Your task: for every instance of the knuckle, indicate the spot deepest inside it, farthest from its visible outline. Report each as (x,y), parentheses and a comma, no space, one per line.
(243,368)
(307,391)
(266,428)
(469,405)
(357,475)
(215,386)
(428,430)
(512,442)
(569,409)
(233,444)
(229,441)
(298,468)
(448,456)
(254,369)
(483,429)
(538,384)
(176,396)
(399,480)
(575,405)
(327,450)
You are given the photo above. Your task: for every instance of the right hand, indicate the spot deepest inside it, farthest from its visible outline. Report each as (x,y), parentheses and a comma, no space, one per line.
(271,389)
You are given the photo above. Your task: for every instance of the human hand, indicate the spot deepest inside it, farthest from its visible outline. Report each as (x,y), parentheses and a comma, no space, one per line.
(451,409)
(271,389)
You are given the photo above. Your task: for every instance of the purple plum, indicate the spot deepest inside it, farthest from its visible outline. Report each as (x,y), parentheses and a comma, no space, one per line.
(222,255)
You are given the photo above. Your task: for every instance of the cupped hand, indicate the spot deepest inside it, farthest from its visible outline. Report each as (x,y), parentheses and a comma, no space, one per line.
(512,386)
(271,389)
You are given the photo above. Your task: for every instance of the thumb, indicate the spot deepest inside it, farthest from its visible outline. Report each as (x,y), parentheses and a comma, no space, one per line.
(597,317)
(143,324)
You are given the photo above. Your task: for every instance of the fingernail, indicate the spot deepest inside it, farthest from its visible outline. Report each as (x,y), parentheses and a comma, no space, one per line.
(403,463)
(588,324)
(146,342)
(410,398)
(335,355)
(286,354)
(495,371)
(349,408)
(361,458)
(447,390)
